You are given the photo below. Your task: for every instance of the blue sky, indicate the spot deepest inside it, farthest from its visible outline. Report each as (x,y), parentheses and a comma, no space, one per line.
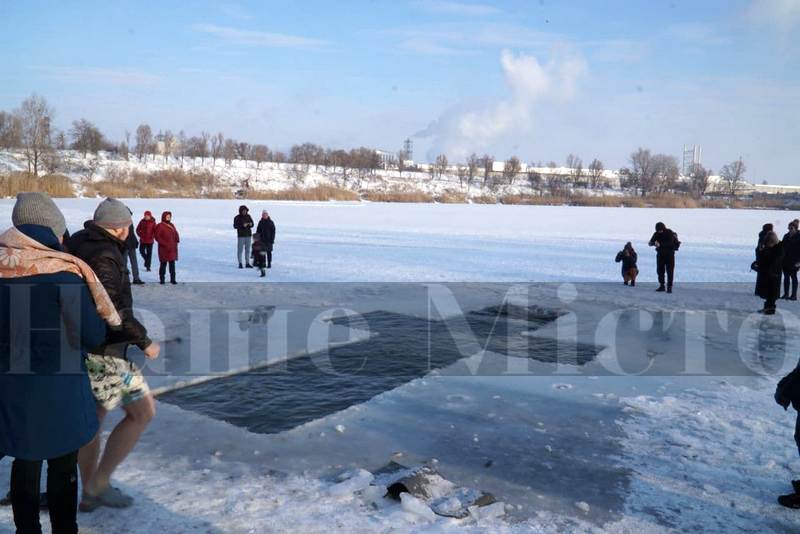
(539,79)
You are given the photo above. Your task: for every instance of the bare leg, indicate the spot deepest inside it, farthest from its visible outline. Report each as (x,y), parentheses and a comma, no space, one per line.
(90,453)
(121,442)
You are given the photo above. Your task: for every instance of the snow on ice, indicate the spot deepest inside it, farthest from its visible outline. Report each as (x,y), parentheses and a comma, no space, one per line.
(605,454)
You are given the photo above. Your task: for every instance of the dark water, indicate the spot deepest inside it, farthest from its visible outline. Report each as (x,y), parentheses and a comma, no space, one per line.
(402,348)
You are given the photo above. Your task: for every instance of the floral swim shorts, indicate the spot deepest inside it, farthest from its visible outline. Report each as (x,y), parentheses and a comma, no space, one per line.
(115,381)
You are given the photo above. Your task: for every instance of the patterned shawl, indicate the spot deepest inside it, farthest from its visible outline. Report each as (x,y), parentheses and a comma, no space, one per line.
(22,256)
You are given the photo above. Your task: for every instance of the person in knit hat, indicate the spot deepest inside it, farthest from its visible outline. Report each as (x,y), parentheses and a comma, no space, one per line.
(45,412)
(116,381)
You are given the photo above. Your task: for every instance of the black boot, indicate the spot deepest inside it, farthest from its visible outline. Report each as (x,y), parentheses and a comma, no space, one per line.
(790,501)
(138,282)
(263,272)
(669,289)
(240,265)
(661,289)
(161,281)
(248,266)
(625,282)
(633,283)
(785,296)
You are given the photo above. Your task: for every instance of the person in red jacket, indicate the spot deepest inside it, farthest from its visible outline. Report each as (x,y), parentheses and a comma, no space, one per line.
(145,230)
(167,238)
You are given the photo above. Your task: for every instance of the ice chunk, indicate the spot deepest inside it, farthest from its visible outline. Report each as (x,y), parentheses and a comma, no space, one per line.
(416,507)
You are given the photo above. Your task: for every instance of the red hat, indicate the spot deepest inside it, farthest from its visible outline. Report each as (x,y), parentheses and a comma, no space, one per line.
(148,214)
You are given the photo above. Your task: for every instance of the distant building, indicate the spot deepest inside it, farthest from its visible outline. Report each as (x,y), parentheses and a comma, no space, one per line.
(387,159)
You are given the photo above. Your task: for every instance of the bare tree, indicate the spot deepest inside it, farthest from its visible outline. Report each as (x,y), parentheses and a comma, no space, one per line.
(488,165)
(401,162)
(511,169)
(576,164)
(534,179)
(229,151)
(473,163)
(698,180)
(181,147)
(35,117)
(169,144)
(242,151)
(260,154)
(144,139)
(86,137)
(217,144)
(733,176)
(60,140)
(596,174)
(441,165)
(665,172)
(640,174)
(10,130)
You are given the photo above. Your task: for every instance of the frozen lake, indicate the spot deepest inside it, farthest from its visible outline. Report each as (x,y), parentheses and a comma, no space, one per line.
(622,439)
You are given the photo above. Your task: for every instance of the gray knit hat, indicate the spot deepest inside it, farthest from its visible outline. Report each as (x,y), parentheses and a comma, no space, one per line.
(111,214)
(38,208)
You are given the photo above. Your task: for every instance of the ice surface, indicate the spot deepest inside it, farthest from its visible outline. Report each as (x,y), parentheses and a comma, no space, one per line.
(653,453)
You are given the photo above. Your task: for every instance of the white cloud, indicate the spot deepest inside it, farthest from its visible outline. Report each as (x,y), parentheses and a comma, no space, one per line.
(257,38)
(458,8)
(459,131)
(97,75)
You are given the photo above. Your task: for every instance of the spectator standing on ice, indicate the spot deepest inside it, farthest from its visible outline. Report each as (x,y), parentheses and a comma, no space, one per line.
(146,230)
(114,378)
(132,243)
(666,243)
(791,260)
(243,224)
(266,229)
(167,237)
(259,254)
(45,410)
(788,392)
(628,257)
(769,262)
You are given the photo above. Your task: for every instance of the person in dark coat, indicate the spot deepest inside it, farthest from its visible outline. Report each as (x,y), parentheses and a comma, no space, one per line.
(791,260)
(628,257)
(787,392)
(146,230)
(266,229)
(46,407)
(666,243)
(116,380)
(765,229)
(167,237)
(132,243)
(243,224)
(769,263)
(259,254)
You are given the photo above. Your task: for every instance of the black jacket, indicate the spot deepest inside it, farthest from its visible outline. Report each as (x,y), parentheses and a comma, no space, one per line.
(266,229)
(105,254)
(788,390)
(791,249)
(628,260)
(667,242)
(243,224)
(770,261)
(132,243)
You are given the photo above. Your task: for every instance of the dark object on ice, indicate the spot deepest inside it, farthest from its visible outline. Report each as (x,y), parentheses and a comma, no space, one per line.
(796,486)
(770,262)
(788,390)
(790,501)
(266,228)
(418,483)
(426,484)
